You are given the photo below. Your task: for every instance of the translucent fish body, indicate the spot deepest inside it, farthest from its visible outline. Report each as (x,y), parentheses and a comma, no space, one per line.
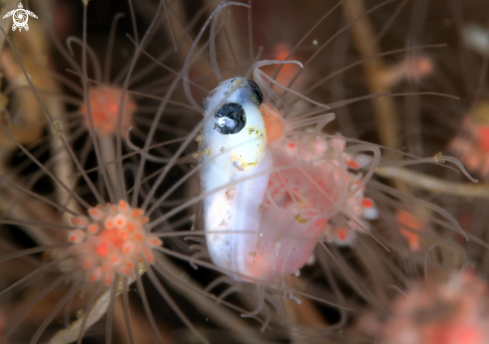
(266,203)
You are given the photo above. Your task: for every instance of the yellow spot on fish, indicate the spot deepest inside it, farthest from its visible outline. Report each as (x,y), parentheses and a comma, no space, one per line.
(299,219)
(199,138)
(252,253)
(240,164)
(207,151)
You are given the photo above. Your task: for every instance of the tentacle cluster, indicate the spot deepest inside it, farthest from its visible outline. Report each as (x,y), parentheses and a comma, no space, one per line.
(111,242)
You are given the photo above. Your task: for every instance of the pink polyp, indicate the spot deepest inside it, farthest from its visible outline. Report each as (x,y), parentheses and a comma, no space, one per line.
(293,219)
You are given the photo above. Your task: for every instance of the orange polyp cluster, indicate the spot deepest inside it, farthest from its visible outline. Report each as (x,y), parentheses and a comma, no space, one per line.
(471,145)
(454,312)
(413,68)
(357,209)
(417,67)
(104,108)
(111,242)
(289,192)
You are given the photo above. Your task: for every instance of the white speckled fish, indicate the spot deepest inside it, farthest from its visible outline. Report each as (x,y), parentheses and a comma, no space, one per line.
(269,196)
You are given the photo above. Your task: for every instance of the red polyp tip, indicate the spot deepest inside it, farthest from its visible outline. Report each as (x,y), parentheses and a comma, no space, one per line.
(95,213)
(137,212)
(342,233)
(120,220)
(108,280)
(79,221)
(353,165)
(122,205)
(155,242)
(367,203)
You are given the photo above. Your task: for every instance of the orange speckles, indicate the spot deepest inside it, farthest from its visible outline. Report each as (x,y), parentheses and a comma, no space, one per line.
(273,122)
(144,219)
(92,229)
(128,248)
(149,256)
(113,236)
(108,280)
(367,203)
(120,220)
(102,249)
(76,236)
(342,233)
(104,109)
(95,275)
(138,237)
(130,265)
(109,224)
(131,227)
(115,260)
(353,164)
(87,264)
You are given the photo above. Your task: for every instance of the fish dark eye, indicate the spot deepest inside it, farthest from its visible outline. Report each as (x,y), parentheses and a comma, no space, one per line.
(257,95)
(230,119)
